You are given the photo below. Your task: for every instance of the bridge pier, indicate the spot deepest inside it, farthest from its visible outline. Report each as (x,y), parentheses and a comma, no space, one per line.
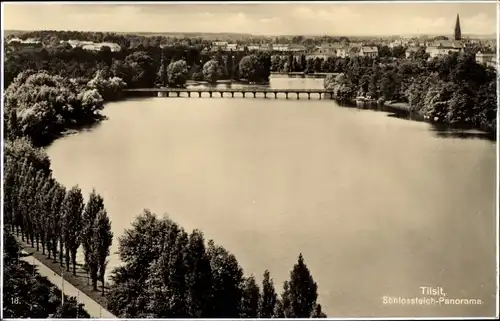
(169,92)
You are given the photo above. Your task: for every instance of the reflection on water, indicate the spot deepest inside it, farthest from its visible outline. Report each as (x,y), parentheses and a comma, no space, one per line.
(276,82)
(447,131)
(312,82)
(379,206)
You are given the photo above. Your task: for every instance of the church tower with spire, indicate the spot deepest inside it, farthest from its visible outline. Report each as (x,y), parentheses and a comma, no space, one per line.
(458,32)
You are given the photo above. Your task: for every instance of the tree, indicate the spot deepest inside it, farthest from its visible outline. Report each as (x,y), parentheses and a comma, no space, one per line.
(309,67)
(43,202)
(228,282)
(303,290)
(250,68)
(302,63)
(230,65)
(318,313)
(94,205)
(142,67)
(389,85)
(317,65)
(103,238)
(199,279)
(109,88)
(212,71)
(72,216)
(138,248)
(167,286)
(250,299)
(45,105)
(284,307)
(29,295)
(57,226)
(485,106)
(177,73)
(268,298)
(161,76)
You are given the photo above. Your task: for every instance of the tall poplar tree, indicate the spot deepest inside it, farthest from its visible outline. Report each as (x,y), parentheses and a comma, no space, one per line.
(72,215)
(94,205)
(103,239)
(268,298)
(303,290)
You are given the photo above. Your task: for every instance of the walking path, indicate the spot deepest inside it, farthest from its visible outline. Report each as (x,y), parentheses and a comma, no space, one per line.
(92,307)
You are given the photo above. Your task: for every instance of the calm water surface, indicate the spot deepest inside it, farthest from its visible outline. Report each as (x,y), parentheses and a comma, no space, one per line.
(379,206)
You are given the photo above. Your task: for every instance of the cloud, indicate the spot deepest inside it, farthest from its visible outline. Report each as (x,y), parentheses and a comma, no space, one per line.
(333,19)
(479,24)
(429,25)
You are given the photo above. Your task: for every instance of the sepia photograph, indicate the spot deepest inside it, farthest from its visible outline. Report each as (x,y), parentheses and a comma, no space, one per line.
(273,160)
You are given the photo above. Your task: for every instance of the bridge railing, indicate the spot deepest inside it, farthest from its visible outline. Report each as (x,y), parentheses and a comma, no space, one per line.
(229,90)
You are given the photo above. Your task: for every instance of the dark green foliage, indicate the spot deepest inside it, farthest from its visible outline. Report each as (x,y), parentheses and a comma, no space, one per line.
(268,298)
(170,274)
(303,291)
(102,238)
(255,67)
(72,208)
(26,294)
(212,71)
(199,278)
(453,89)
(40,106)
(177,73)
(228,282)
(166,272)
(94,205)
(38,209)
(250,299)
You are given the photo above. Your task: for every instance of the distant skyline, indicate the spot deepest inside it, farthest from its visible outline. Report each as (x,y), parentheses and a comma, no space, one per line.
(338,19)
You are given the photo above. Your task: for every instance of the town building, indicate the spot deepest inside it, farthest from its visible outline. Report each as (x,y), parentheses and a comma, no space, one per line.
(485,58)
(444,47)
(219,43)
(298,49)
(280,47)
(253,47)
(442,50)
(98,46)
(265,47)
(328,50)
(231,47)
(29,41)
(371,52)
(411,51)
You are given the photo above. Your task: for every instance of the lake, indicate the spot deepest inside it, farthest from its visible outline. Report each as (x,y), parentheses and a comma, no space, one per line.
(378,205)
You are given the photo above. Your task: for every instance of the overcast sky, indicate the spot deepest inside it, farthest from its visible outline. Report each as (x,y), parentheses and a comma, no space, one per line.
(267,19)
